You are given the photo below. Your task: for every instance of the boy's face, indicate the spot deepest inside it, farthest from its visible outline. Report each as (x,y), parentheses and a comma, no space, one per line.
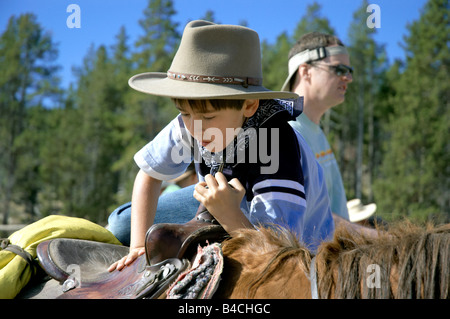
(215,129)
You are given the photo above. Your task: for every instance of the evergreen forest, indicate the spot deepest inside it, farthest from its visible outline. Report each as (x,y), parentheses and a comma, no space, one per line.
(391,136)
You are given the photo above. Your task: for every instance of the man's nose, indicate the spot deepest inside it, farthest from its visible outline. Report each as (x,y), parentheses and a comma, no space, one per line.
(348,77)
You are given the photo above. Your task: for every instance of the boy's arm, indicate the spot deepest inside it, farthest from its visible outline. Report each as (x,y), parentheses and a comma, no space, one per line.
(144,200)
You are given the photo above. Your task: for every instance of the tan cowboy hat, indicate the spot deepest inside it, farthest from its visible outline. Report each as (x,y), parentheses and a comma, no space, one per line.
(357,211)
(212,62)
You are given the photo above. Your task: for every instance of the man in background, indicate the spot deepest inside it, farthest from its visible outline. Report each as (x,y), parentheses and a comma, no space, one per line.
(319,70)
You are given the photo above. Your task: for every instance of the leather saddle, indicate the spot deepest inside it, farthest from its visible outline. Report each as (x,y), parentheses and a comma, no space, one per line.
(81,265)
(166,240)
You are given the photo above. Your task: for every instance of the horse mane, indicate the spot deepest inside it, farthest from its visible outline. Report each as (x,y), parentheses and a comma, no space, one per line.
(413,261)
(270,246)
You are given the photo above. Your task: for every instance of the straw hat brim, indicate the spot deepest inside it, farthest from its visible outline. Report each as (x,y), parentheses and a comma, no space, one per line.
(157,83)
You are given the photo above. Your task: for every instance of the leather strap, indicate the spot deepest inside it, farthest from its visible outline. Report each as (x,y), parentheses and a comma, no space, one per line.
(245,82)
(5,244)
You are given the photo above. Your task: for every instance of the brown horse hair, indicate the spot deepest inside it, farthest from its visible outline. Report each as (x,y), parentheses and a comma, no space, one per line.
(257,245)
(414,261)
(281,255)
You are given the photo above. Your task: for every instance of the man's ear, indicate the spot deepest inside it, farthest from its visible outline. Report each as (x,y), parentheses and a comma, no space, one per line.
(250,107)
(304,71)
(302,74)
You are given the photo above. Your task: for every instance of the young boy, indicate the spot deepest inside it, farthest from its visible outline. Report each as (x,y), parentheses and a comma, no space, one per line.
(254,169)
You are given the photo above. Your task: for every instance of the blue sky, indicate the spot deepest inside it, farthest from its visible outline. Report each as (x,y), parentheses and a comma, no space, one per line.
(102,19)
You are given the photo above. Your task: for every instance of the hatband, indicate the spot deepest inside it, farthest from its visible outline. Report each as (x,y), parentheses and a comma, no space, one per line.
(245,82)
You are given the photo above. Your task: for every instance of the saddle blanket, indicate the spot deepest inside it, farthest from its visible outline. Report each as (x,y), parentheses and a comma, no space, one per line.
(202,279)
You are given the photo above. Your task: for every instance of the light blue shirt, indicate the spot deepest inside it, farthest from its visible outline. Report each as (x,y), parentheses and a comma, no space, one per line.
(319,145)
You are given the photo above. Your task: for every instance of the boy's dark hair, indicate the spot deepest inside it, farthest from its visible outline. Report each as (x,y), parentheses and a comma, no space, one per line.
(314,40)
(201,105)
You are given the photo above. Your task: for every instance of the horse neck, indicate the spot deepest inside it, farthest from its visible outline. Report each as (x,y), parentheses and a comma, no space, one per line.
(406,262)
(285,278)
(279,274)
(348,268)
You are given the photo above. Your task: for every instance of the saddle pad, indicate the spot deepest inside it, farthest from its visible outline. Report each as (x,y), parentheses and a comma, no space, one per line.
(202,280)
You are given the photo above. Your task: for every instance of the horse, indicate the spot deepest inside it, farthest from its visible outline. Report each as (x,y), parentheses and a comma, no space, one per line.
(407,261)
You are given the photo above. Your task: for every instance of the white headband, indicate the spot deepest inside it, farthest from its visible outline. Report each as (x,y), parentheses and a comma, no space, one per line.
(313,55)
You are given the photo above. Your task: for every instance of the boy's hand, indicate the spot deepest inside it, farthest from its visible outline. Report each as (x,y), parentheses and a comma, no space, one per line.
(223,199)
(216,194)
(128,259)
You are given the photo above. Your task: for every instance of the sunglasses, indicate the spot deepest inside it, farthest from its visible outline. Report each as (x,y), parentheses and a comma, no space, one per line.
(339,69)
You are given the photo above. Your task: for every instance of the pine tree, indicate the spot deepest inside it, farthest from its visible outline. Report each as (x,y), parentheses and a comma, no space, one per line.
(311,21)
(27,78)
(105,122)
(27,175)
(154,53)
(415,174)
(156,46)
(98,100)
(129,125)
(61,158)
(275,61)
(357,114)
(275,56)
